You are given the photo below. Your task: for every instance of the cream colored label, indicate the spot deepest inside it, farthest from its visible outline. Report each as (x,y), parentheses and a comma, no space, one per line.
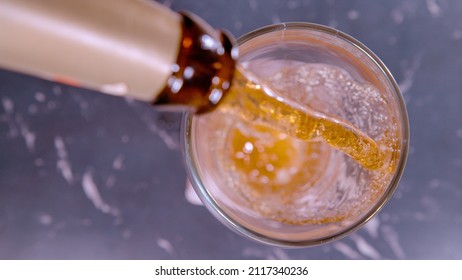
(120,47)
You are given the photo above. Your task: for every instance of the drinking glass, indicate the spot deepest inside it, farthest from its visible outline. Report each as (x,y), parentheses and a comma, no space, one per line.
(303,193)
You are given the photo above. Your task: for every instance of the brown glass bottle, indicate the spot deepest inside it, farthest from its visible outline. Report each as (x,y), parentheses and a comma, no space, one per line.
(133,48)
(204,69)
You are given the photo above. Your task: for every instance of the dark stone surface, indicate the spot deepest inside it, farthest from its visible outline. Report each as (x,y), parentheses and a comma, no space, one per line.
(55,139)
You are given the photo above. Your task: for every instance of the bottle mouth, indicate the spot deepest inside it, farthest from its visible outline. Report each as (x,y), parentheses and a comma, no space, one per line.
(195,171)
(204,68)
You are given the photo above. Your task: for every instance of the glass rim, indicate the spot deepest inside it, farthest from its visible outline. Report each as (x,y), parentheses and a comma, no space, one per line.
(212,205)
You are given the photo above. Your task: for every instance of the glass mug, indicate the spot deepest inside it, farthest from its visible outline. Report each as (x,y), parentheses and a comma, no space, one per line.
(283,191)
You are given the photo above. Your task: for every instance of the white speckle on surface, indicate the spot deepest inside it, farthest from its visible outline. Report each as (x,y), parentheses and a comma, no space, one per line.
(63,164)
(110,181)
(434,183)
(253,5)
(365,248)
(52,105)
(191,195)
(57,90)
(398,194)
(8,105)
(292,5)
(8,117)
(280,254)
(333,23)
(238,25)
(433,8)
(166,245)
(60,147)
(419,216)
(118,162)
(459,133)
(392,40)
(29,137)
(45,219)
(406,84)
(430,205)
(125,139)
(40,97)
(457,35)
(116,89)
(397,16)
(347,250)
(127,234)
(392,238)
(169,141)
(39,162)
(91,191)
(372,227)
(65,168)
(251,252)
(353,15)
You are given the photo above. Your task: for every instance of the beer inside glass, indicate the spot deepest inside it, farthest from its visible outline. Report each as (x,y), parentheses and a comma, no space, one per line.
(282,190)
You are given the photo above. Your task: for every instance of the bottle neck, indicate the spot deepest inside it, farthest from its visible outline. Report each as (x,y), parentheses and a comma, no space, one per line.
(204,69)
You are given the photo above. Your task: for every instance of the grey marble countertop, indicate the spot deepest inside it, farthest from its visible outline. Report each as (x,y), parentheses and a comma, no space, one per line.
(88,176)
